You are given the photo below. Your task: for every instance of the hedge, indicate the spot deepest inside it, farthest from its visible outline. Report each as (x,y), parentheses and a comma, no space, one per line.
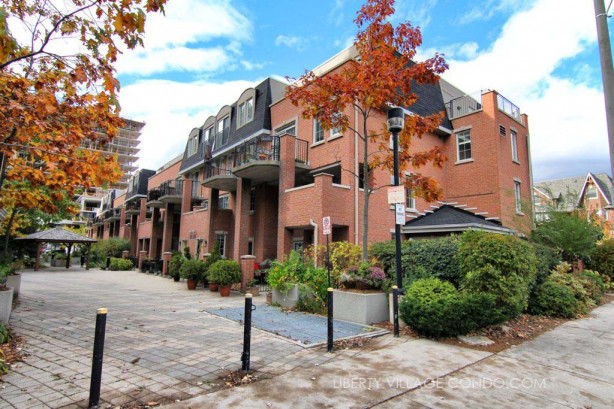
(120,264)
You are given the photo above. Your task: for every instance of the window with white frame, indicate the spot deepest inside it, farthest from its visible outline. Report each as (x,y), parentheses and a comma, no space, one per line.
(410,199)
(336,129)
(192,145)
(514,139)
(223,202)
(249,109)
(463,145)
(223,130)
(318,131)
(517,196)
(289,128)
(591,192)
(221,240)
(246,112)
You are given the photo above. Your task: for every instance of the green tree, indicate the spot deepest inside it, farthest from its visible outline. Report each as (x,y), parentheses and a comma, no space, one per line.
(572,235)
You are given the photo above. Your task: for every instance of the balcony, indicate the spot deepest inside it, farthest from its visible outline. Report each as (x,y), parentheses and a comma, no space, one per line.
(113,215)
(219,178)
(172,191)
(465,105)
(153,198)
(258,159)
(510,109)
(133,208)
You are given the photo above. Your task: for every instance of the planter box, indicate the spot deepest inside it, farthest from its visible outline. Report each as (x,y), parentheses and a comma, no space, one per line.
(58,263)
(6,304)
(15,282)
(361,308)
(286,300)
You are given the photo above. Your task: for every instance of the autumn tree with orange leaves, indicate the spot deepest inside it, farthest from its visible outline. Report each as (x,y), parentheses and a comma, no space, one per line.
(381,76)
(58,90)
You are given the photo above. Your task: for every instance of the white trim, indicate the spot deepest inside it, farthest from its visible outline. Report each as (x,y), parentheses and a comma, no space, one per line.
(462,128)
(454,227)
(221,232)
(313,145)
(460,162)
(333,137)
(342,186)
(299,188)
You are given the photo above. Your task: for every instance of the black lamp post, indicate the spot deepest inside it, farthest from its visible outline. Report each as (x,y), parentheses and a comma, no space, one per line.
(396,122)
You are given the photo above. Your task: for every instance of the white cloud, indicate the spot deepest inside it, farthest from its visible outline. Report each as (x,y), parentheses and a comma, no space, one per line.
(291,41)
(417,13)
(566,115)
(488,9)
(171,110)
(147,62)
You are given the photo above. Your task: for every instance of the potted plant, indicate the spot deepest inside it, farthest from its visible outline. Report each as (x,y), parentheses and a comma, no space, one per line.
(225,273)
(361,299)
(174,266)
(253,288)
(212,258)
(192,270)
(6,294)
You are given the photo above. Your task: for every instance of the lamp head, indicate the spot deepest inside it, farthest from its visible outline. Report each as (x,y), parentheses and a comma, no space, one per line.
(396,119)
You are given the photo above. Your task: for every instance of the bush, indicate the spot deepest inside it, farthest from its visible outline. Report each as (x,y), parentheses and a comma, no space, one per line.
(5,334)
(436,308)
(174,265)
(503,266)
(212,258)
(224,272)
(576,284)
(112,247)
(594,284)
(554,299)
(343,255)
(120,264)
(192,269)
(602,258)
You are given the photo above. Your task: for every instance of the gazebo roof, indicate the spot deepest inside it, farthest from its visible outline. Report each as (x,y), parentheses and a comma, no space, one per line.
(58,235)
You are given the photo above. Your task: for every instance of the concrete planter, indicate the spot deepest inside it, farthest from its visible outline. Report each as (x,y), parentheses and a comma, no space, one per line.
(58,263)
(15,282)
(286,300)
(361,308)
(6,305)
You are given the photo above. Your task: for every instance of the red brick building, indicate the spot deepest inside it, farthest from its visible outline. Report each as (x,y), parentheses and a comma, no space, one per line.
(259,178)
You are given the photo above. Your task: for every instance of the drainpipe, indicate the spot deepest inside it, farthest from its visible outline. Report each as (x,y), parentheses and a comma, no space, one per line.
(356,179)
(315,241)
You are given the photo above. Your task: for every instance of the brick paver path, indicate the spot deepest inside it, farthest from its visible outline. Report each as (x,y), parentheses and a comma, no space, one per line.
(161,345)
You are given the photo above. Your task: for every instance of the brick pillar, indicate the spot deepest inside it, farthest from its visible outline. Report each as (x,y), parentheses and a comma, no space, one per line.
(211,215)
(122,223)
(166,257)
(142,255)
(287,173)
(134,234)
(186,200)
(125,254)
(265,228)
(167,228)
(247,271)
(241,218)
(155,233)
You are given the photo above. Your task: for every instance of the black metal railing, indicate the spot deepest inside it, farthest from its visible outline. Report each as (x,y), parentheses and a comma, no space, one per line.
(467,104)
(264,147)
(301,151)
(172,187)
(154,194)
(211,171)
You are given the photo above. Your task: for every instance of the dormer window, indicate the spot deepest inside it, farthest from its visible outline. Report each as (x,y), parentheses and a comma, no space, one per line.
(245,112)
(223,130)
(192,145)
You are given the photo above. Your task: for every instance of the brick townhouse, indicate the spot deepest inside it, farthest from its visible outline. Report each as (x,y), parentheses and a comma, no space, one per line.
(259,178)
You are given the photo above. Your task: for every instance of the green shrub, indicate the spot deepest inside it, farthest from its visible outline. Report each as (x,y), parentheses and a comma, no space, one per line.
(224,272)
(554,299)
(192,269)
(212,258)
(174,265)
(120,264)
(594,284)
(285,273)
(602,258)
(433,258)
(112,247)
(436,308)
(503,266)
(577,285)
(384,253)
(5,334)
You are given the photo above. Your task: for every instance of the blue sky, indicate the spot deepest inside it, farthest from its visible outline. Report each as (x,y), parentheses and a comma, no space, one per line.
(540,54)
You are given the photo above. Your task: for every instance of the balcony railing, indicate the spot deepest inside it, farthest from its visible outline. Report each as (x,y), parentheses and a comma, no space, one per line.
(465,105)
(506,106)
(211,171)
(154,194)
(261,148)
(172,187)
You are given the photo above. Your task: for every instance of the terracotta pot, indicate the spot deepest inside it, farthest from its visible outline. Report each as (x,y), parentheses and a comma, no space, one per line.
(225,290)
(212,287)
(191,284)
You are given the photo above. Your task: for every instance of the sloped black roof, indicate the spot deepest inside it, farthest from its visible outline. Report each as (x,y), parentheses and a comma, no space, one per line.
(58,235)
(430,101)
(140,189)
(448,218)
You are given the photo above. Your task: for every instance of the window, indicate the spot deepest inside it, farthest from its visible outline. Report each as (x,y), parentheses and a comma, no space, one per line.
(591,192)
(252,200)
(289,128)
(246,112)
(514,145)
(297,245)
(241,115)
(250,246)
(223,202)
(318,131)
(463,145)
(517,196)
(336,129)
(195,185)
(410,199)
(221,239)
(192,145)
(223,129)
(250,109)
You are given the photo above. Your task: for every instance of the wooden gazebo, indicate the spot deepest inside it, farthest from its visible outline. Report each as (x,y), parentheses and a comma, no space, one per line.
(59,235)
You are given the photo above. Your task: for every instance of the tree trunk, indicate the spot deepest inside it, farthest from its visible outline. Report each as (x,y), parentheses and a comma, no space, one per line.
(7,233)
(367,187)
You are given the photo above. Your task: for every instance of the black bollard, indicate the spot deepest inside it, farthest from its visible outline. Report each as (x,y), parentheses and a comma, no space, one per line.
(395,309)
(101,321)
(108,262)
(330,321)
(247,332)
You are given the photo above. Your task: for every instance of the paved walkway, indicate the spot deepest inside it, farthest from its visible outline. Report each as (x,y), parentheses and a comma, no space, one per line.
(161,345)
(568,367)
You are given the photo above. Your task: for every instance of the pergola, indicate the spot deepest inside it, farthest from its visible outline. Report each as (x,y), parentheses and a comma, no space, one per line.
(59,235)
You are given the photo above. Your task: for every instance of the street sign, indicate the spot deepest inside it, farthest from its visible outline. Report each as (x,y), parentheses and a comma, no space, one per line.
(400,213)
(327,227)
(396,194)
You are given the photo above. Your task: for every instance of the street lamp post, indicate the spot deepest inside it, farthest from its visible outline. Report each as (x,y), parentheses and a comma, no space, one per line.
(395,122)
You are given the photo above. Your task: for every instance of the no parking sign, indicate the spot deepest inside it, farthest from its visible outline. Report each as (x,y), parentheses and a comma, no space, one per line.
(326,226)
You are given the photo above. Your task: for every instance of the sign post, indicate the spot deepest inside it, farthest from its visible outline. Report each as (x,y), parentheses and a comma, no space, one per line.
(327,231)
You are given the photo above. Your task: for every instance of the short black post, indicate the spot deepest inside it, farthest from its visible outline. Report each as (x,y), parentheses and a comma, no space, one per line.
(330,320)
(328,259)
(108,262)
(247,332)
(395,309)
(101,321)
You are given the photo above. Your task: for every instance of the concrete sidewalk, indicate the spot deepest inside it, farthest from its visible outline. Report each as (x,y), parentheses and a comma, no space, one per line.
(570,366)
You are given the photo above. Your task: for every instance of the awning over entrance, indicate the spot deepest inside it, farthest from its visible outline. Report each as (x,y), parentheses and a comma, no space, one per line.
(59,235)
